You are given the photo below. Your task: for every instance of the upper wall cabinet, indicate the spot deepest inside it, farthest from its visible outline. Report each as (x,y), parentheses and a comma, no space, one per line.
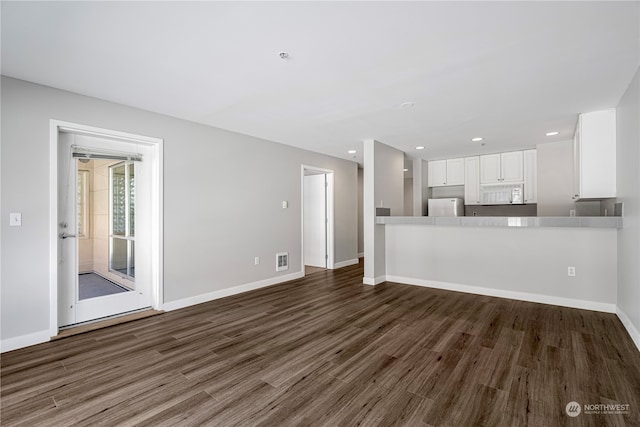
(511,166)
(446,172)
(472,180)
(594,155)
(490,169)
(437,171)
(501,168)
(455,171)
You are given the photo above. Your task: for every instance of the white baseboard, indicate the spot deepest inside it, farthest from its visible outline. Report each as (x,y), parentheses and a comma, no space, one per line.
(373,280)
(345,263)
(631,329)
(501,293)
(199,299)
(24,341)
(361,255)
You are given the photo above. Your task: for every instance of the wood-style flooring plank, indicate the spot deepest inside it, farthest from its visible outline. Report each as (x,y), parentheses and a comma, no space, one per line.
(326,350)
(525,405)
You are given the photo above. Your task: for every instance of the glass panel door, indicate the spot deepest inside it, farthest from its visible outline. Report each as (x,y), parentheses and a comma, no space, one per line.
(122,220)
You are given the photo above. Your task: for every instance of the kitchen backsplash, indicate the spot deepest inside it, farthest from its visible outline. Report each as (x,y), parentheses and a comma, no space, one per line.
(501,210)
(607,207)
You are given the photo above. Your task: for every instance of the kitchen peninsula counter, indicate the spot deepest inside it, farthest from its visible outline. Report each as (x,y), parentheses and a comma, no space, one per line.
(504,221)
(569,261)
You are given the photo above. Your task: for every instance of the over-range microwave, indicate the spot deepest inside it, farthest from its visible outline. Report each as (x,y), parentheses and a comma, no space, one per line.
(501,194)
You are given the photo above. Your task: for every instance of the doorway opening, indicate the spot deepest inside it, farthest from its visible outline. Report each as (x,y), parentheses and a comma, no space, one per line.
(106,216)
(105,226)
(317,219)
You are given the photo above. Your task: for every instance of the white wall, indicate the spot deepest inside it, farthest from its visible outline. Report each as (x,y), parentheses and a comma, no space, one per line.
(421,190)
(222,192)
(408,197)
(389,178)
(628,192)
(555,178)
(508,262)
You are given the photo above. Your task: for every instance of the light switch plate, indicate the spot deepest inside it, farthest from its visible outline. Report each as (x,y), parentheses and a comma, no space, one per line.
(285,204)
(15,219)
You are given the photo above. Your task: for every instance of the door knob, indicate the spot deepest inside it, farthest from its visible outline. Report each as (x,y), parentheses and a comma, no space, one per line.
(64,235)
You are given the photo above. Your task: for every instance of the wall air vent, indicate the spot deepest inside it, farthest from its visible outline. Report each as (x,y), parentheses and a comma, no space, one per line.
(282,261)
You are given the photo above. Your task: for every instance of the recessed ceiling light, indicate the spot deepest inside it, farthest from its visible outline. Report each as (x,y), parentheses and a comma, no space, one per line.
(419,147)
(552,133)
(477,139)
(405,169)
(407,104)
(351,151)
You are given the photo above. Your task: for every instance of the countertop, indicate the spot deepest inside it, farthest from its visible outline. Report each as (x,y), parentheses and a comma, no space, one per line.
(507,221)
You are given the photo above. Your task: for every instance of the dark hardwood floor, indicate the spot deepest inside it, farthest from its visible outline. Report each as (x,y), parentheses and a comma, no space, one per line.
(327,350)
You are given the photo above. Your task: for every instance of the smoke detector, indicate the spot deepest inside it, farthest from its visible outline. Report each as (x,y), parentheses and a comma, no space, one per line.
(283,55)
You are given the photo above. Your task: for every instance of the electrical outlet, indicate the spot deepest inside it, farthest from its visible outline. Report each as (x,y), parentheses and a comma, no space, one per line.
(571,271)
(256,260)
(572,212)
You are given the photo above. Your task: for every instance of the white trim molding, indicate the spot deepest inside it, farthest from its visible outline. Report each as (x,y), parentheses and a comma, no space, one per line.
(373,281)
(222,293)
(345,263)
(631,329)
(330,235)
(24,341)
(501,293)
(156,146)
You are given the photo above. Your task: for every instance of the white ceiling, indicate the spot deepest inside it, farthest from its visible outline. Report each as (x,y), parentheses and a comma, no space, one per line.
(506,71)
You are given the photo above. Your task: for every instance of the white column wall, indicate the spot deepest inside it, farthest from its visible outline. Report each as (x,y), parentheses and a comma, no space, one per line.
(628,188)
(383,187)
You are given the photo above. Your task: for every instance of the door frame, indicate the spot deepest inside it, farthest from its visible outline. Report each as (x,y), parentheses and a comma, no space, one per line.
(156,158)
(329,174)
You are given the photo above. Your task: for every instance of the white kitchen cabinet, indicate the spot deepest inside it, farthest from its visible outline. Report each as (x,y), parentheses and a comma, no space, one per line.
(530,176)
(511,166)
(490,169)
(501,168)
(455,171)
(472,180)
(446,172)
(594,151)
(437,173)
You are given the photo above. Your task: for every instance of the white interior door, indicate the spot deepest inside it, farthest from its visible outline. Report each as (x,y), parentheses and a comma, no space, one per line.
(118,250)
(315,220)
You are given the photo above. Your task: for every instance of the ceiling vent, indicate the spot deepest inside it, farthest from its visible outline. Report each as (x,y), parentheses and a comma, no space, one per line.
(282,261)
